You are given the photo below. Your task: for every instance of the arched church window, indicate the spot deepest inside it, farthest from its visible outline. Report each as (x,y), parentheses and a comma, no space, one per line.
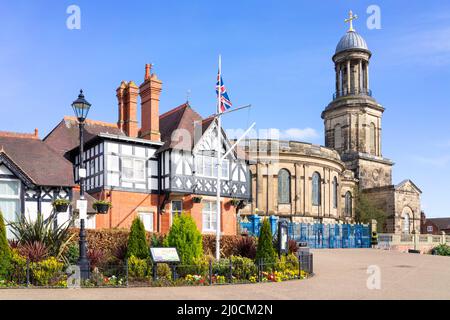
(338,137)
(372,137)
(348,204)
(406,221)
(335,193)
(284,187)
(316,189)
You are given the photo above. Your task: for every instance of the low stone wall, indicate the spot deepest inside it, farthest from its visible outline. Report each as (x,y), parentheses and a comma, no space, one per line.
(403,243)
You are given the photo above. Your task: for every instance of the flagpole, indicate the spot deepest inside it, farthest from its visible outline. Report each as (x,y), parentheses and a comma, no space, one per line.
(219,166)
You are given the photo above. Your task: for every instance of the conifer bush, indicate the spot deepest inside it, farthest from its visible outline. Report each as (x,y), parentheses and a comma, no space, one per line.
(5,251)
(265,250)
(185,236)
(137,242)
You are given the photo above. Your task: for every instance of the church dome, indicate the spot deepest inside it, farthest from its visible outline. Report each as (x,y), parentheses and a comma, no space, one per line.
(351,40)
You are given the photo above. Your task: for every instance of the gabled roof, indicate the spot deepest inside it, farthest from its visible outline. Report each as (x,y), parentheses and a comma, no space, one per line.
(65,136)
(37,161)
(184,119)
(404,182)
(180,118)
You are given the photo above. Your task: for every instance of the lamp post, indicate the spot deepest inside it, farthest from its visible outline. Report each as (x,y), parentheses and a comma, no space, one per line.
(81,109)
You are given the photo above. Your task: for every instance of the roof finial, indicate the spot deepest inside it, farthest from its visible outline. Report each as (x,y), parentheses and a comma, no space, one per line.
(188,95)
(350,20)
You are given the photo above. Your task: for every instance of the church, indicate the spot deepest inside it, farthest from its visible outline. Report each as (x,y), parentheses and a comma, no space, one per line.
(307,183)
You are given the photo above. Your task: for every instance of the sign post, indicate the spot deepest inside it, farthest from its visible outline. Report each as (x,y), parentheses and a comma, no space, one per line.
(283,239)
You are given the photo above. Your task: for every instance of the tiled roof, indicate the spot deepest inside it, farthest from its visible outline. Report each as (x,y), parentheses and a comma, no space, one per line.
(65,136)
(441,223)
(180,118)
(40,163)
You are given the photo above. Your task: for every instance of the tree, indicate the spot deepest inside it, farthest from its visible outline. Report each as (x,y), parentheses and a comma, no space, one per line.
(185,236)
(5,251)
(265,250)
(137,241)
(365,211)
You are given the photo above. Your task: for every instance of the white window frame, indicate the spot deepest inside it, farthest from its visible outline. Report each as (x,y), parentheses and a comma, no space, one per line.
(13,197)
(429,228)
(173,212)
(201,171)
(141,216)
(133,167)
(212,213)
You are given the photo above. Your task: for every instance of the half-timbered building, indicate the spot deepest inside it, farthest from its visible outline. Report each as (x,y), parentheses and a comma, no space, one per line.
(165,167)
(32,176)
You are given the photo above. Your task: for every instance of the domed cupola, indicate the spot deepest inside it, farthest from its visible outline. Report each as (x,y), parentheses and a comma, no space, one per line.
(351,61)
(352,40)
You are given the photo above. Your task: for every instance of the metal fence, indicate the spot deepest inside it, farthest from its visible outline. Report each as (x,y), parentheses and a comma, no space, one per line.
(319,235)
(143,273)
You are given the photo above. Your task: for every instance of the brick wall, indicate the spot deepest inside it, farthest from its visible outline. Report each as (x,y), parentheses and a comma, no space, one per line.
(127,205)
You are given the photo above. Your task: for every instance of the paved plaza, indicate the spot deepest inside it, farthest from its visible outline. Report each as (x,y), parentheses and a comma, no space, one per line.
(340,274)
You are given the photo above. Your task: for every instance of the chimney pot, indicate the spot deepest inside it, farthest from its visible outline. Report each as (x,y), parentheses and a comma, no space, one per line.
(150,92)
(148,68)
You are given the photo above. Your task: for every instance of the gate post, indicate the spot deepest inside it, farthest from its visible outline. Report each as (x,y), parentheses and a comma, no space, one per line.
(254,219)
(273,224)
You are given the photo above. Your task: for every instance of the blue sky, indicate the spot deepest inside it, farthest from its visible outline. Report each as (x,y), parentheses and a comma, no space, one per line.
(276,56)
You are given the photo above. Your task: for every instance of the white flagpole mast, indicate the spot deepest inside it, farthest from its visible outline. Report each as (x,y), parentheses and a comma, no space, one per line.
(219,165)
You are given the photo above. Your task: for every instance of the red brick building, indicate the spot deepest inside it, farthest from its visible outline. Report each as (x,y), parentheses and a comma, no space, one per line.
(157,170)
(435,225)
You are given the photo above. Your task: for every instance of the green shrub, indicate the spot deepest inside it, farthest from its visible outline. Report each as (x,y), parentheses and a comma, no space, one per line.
(265,250)
(42,230)
(243,268)
(442,250)
(287,263)
(137,242)
(200,266)
(72,253)
(163,271)
(5,251)
(18,267)
(185,236)
(47,272)
(222,267)
(137,268)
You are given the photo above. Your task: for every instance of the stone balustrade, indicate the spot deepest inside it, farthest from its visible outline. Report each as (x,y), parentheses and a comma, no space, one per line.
(422,242)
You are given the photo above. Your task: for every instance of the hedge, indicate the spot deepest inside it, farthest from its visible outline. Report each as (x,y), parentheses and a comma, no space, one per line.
(108,240)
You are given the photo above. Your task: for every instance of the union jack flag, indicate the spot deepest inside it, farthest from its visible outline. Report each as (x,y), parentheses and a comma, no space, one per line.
(225,102)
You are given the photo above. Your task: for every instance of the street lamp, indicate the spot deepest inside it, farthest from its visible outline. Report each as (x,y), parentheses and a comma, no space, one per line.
(81,109)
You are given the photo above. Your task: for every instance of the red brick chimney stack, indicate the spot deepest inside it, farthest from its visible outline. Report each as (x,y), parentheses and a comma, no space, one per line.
(150,92)
(127,99)
(120,93)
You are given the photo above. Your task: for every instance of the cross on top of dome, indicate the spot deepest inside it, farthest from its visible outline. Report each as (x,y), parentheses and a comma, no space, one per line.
(350,21)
